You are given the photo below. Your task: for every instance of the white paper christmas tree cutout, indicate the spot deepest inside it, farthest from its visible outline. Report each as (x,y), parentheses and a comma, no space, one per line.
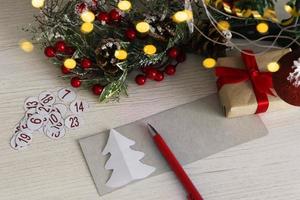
(294,77)
(124,161)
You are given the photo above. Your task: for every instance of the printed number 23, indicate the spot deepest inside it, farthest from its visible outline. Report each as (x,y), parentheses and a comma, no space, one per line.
(74,122)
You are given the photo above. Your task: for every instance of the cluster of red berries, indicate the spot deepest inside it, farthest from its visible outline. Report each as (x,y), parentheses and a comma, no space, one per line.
(109,17)
(59,47)
(62,48)
(158,75)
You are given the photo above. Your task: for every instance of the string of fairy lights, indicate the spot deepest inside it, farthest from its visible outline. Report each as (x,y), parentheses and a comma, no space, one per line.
(185,16)
(262,28)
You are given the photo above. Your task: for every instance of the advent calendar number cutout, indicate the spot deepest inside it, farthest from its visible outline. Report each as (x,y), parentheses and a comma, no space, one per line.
(78,106)
(66,95)
(31,102)
(56,135)
(73,122)
(35,122)
(46,98)
(23,139)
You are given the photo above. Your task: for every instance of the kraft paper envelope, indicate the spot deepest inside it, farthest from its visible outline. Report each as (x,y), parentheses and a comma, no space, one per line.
(193,131)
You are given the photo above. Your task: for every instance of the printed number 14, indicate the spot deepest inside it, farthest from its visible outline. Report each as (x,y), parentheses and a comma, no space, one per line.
(79,107)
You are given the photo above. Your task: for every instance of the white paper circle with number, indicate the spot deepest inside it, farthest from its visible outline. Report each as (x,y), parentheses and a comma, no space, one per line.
(30,112)
(66,95)
(58,126)
(79,106)
(73,122)
(43,109)
(35,122)
(24,127)
(17,128)
(54,118)
(31,102)
(23,139)
(45,120)
(55,135)
(47,98)
(14,145)
(61,108)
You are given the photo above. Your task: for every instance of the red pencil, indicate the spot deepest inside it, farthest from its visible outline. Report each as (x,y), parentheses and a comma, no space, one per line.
(192,191)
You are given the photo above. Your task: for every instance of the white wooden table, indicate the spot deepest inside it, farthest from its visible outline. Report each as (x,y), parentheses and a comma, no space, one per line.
(267,168)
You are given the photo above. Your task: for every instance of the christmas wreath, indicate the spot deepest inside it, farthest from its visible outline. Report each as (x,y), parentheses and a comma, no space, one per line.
(98,43)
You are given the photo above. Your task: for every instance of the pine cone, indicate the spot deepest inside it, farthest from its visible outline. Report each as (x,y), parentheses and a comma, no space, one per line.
(105,55)
(161,28)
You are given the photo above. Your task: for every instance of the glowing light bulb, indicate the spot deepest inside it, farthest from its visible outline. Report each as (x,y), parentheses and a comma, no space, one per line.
(124,5)
(223,25)
(262,27)
(87,27)
(209,63)
(121,54)
(87,16)
(273,67)
(180,16)
(37,3)
(149,49)
(189,14)
(70,63)
(142,27)
(26,46)
(288,8)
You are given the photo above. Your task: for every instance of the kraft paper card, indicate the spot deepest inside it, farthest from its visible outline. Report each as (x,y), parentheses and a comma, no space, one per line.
(193,131)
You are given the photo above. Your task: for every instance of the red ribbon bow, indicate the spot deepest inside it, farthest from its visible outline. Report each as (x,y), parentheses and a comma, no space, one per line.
(261,81)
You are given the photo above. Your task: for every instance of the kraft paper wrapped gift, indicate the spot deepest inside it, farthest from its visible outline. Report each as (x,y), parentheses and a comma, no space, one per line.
(239,98)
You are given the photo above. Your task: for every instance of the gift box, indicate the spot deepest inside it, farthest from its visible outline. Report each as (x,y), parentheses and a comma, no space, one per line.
(245,85)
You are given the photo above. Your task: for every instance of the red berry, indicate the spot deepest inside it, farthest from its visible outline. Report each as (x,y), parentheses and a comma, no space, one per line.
(60,46)
(75,82)
(140,79)
(97,89)
(159,76)
(170,70)
(145,69)
(151,73)
(50,52)
(86,63)
(65,70)
(81,7)
(69,50)
(181,57)
(131,34)
(173,52)
(115,15)
(103,17)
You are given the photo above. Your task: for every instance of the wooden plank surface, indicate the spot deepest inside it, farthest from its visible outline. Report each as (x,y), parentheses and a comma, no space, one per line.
(267,168)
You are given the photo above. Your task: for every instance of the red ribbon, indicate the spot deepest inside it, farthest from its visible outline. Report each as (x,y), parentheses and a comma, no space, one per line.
(261,81)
